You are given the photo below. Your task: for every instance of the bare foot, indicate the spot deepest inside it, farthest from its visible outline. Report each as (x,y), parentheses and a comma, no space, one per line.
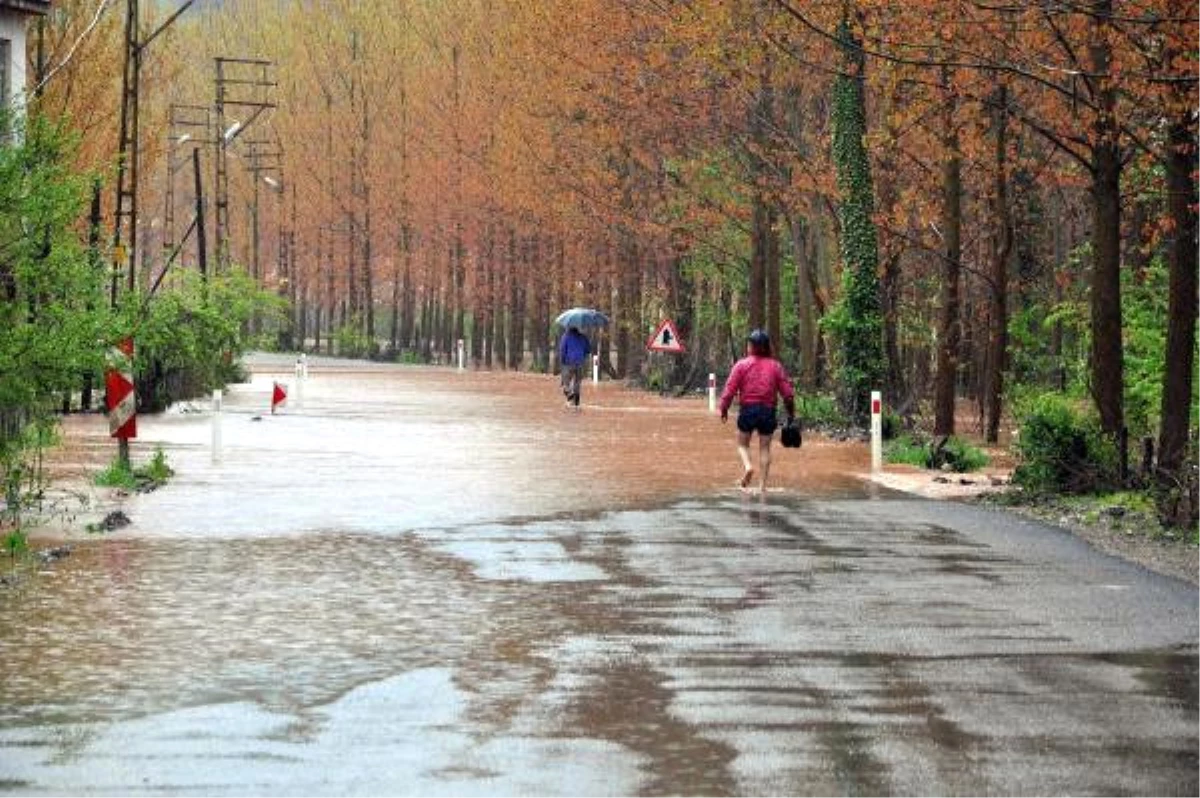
(746,477)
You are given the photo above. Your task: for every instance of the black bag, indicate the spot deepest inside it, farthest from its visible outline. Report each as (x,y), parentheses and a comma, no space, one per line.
(790,435)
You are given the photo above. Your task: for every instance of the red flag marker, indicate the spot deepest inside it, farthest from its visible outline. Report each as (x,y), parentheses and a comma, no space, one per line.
(278,396)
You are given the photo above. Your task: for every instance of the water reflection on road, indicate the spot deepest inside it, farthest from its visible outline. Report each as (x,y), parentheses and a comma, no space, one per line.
(429,583)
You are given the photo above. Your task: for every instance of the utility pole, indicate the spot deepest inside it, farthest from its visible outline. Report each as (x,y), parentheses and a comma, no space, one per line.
(128,157)
(244,83)
(186,125)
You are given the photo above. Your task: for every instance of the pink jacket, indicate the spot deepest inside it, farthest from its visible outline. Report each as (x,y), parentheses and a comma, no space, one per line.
(757,379)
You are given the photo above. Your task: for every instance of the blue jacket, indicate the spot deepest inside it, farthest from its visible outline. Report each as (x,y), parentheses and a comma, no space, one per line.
(573,348)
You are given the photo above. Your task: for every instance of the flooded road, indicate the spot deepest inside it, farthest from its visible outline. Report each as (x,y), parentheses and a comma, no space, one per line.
(418,582)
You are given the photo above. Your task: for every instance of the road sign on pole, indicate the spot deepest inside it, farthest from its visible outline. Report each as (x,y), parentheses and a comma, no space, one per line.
(666,338)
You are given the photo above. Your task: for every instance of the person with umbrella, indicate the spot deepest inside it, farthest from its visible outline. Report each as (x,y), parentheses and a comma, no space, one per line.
(574,348)
(573,351)
(756,380)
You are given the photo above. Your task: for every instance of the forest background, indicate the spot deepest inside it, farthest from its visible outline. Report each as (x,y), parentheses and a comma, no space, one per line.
(944,200)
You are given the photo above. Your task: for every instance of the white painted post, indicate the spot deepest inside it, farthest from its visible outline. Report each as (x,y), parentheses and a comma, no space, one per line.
(304,365)
(216,425)
(299,403)
(876,432)
(595,369)
(462,355)
(712,392)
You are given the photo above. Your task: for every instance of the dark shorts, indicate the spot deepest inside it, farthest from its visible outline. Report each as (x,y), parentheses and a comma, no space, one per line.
(760,418)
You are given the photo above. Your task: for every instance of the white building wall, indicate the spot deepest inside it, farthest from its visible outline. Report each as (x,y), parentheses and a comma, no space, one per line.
(12,27)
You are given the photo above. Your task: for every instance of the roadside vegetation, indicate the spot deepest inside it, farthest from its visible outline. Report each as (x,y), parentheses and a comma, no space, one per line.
(57,320)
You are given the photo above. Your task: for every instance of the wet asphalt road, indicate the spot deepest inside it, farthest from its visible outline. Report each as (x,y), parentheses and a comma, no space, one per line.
(417,586)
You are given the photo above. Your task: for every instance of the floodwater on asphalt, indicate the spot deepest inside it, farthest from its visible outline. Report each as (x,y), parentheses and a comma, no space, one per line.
(420,582)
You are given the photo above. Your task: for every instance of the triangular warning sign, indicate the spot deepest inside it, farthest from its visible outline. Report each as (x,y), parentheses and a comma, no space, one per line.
(666,338)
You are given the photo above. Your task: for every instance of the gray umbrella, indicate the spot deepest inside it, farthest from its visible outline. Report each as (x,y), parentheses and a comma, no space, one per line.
(582,317)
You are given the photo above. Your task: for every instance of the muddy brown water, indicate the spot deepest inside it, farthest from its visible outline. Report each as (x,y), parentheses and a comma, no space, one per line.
(421,582)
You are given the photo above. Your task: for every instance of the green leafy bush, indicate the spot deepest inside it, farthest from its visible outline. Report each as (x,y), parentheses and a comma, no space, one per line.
(147,477)
(904,449)
(189,338)
(1061,448)
(819,410)
(952,453)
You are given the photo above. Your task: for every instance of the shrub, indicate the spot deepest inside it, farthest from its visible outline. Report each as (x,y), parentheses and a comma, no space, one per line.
(906,450)
(818,410)
(950,453)
(147,477)
(1062,448)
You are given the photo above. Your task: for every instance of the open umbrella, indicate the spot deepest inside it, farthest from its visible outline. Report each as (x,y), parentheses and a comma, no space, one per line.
(582,317)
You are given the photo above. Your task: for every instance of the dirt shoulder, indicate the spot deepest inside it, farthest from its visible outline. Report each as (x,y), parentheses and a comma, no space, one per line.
(1122,532)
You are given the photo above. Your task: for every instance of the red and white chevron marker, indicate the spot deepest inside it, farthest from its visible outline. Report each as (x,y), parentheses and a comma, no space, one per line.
(119,394)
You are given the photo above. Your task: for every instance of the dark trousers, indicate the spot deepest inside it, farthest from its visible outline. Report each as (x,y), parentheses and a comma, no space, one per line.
(572,379)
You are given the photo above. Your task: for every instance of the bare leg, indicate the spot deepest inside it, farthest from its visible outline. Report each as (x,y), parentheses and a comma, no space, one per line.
(764,460)
(743,447)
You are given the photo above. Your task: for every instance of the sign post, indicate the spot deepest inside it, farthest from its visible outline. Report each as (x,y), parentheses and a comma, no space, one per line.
(120,399)
(876,432)
(216,425)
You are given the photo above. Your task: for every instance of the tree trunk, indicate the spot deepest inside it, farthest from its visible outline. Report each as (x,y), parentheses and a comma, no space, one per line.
(1182,311)
(949,327)
(1001,248)
(1107,366)
(757,297)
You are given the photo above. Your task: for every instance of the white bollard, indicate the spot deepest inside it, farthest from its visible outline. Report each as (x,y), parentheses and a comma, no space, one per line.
(462,355)
(304,365)
(712,392)
(876,432)
(300,368)
(595,369)
(216,426)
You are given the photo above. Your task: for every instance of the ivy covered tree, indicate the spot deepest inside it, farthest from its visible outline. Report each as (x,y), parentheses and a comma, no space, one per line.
(857,320)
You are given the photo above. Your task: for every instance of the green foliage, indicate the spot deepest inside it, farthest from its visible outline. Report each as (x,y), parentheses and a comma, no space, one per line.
(819,410)
(856,321)
(906,450)
(117,475)
(157,470)
(188,339)
(891,424)
(658,377)
(1061,448)
(15,542)
(152,475)
(1144,311)
(951,454)
(52,307)
(1034,325)
(1144,329)
(352,341)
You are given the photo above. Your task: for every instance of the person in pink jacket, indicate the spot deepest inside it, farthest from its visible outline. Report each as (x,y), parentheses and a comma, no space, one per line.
(756,380)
